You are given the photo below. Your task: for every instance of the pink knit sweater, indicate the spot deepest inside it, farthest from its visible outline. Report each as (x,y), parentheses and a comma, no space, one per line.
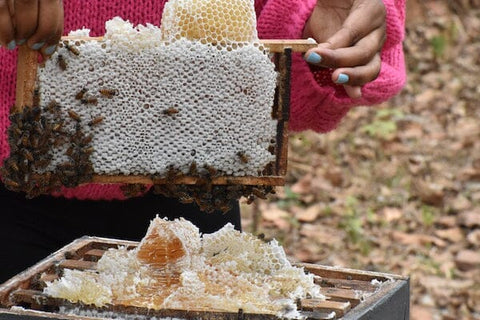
(317,103)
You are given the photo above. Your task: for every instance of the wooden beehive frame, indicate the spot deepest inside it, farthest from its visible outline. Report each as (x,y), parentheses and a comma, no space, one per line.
(26,79)
(350,293)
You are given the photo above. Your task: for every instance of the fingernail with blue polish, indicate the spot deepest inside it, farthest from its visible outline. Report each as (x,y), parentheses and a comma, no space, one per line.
(314,58)
(20,42)
(38,45)
(342,78)
(11,45)
(49,50)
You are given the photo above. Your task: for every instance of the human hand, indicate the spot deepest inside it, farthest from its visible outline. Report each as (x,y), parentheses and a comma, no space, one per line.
(350,34)
(36,23)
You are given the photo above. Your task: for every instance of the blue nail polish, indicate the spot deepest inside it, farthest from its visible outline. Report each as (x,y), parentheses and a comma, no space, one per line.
(51,49)
(314,58)
(38,45)
(342,78)
(11,45)
(20,42)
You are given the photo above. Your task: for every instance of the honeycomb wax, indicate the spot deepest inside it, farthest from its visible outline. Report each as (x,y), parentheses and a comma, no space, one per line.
(210,21)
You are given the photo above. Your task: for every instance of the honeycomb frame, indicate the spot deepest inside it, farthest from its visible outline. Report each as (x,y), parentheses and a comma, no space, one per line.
(282,49)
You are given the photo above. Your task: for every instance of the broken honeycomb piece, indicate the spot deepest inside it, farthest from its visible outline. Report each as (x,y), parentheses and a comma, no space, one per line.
(160,246)
(227,270)
(210,21)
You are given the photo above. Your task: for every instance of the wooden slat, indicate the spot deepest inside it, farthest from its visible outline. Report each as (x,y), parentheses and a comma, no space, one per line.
(346,284)
(340,308)
(188,180)
(48,277)
(77,264)
(297,45)
(347,274)
(93,254)
(26,77)
(319,315)
(342,295)
(22,296)
(274,45)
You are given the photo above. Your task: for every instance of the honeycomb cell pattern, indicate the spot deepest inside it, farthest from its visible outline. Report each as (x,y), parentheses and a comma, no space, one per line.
(218,22)
(227,270)
(160,104)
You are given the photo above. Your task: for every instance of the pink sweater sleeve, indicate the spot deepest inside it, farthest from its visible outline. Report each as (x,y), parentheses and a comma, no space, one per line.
(318,103)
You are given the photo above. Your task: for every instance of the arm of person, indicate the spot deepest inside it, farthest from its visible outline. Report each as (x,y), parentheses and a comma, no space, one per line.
(359,60)
(37,23)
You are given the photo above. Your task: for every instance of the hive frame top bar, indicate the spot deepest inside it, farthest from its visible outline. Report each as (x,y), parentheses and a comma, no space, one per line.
(274,45)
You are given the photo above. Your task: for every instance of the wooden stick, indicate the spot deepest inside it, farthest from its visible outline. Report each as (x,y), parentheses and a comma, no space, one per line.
(26,77)
(274,45)
(298,45)
(254,181)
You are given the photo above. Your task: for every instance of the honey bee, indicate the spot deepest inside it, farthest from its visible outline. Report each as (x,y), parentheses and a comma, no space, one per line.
(61,62)
(259,193)
(12,165)
(170,111)
(211,170)
(183,197)
(35,142)
(72,49)
(70,151)
(81,93)
(42,163)
(109,93)
(95,121)
(24,140)
(87,140)
(36,97)
(243,157)
(192,171)
(53,106)
(88,151)
(28,155)
(57,127)
(89,100)
(9,183)
(72,114)
(36,113)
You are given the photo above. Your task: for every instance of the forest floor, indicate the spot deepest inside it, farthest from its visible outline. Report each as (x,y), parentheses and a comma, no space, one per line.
(396,187)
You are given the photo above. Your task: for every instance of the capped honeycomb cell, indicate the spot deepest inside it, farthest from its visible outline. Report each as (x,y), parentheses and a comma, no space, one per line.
(210,21)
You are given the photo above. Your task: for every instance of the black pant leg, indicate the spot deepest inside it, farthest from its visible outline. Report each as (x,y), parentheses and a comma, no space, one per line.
(30,230)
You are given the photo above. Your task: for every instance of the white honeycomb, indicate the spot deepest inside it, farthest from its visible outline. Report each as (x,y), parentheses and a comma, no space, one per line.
(222,93)
(227,270)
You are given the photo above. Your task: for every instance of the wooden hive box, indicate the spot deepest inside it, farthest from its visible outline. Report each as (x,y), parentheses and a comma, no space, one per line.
(351,294)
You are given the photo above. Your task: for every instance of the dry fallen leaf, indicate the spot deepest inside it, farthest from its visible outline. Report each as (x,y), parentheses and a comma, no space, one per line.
(470,219)
(468,260)
(309,214)
(452,234)
(391,214)
(429,193)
